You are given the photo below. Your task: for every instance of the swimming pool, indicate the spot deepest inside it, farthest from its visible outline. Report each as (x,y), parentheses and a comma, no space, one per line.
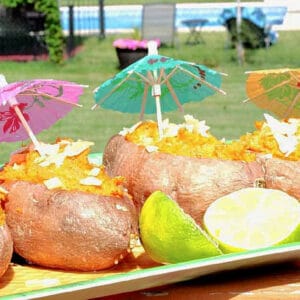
(126,17)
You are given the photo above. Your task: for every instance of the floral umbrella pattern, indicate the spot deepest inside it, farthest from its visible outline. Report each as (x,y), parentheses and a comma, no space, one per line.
(40,102)
(11,121)
(276,90)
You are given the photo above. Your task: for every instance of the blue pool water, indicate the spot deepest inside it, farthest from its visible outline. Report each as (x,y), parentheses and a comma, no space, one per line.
(130,16)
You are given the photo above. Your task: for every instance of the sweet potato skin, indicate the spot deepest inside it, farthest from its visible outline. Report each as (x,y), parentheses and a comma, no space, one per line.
(69,230)
(194,183)
(6,248)
(282,175)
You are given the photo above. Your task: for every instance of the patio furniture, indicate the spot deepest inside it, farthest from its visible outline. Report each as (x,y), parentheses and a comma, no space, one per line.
(256,31)
(158,22)
(195,28)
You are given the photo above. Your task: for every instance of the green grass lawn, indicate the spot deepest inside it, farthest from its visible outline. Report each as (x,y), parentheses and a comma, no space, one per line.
(97,61)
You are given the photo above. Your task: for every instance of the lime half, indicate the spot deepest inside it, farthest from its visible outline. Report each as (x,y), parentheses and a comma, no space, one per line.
(169,235)
(253,218)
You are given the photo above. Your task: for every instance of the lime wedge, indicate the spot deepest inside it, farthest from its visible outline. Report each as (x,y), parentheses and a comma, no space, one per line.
(253,218)
(169,235)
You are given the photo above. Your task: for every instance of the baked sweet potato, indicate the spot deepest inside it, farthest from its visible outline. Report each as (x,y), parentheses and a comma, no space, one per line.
(6,248)
(65,212)
(193,182)
(195,168)
(282,175)
(70,230)
(6,243)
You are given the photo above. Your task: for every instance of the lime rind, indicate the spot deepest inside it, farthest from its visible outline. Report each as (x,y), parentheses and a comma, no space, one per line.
(261,218)
(169,235)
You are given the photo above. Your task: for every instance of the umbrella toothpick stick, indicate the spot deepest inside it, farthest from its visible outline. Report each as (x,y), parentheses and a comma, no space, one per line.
(156,89)
(156,92)
(26,126)
(14,103)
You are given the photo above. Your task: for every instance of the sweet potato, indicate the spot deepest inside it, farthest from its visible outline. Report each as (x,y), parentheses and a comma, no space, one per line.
(70,230)
(282,175)
(194,183)
(6,248)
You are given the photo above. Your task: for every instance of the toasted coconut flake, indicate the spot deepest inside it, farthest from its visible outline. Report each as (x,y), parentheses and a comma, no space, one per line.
(196,126)
(284,133)
(125,130)
(90,181)
(53,183)
(3,190)
(15,166)
(76,148)
(48,149)
(94,172)
(57,159)
(51,154)
(151,148)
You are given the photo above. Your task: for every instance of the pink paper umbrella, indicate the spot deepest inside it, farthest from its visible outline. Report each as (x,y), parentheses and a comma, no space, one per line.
(30,106)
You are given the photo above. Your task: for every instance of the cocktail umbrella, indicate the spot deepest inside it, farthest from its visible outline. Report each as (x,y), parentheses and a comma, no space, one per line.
(277,91)
(30,106)
(157,83)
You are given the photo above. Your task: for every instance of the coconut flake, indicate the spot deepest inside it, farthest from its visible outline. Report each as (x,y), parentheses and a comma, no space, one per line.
(284,134)
(51,155)
(94,172)
(151,149)
(3,190)
(194,125)
(90,181)
(49,149)
(169,129)
(76,148)
(16,166)
(53,183)
(125,130)
(57,159)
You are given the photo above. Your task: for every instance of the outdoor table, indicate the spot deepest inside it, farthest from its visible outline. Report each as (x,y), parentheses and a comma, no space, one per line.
(195,28)
(279,281)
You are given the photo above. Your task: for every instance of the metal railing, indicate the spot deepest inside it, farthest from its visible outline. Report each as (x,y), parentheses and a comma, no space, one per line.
(78,22)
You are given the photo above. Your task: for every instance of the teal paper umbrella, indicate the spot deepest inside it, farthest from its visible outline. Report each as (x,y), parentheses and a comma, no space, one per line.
(156,84)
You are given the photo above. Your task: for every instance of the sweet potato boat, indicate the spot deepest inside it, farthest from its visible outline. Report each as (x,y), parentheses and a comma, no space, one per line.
(194,183)
(6,248)
(282,175)
(190,178)
(81,219)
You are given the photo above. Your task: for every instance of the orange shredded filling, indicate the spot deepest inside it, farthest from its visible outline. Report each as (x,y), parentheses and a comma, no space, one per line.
(263,141)
(2,217)
(192,144)
(72,170)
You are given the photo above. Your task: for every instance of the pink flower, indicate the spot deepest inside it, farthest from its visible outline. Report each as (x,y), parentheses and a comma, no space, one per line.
(132,44)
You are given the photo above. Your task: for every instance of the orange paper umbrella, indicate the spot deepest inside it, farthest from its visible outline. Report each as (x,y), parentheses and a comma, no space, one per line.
(277,91)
